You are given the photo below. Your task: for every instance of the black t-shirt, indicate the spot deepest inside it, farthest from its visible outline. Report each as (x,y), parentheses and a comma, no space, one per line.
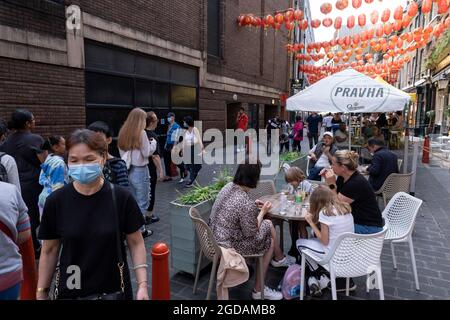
(86,227)
(22,147)
(364,207)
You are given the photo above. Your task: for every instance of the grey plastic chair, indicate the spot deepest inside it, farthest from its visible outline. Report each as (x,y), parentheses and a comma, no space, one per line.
(211,250)
(395,182)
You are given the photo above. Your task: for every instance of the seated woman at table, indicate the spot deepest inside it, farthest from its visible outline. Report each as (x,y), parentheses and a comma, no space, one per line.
(341,137)
(335,218)
(352,188)
(296,180)
(238,222)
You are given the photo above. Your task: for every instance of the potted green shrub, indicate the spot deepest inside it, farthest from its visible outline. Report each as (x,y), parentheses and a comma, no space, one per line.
(185,247)
(293,159)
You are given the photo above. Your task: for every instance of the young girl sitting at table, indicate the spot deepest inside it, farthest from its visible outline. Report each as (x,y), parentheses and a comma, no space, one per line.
(335,218)
(296,180)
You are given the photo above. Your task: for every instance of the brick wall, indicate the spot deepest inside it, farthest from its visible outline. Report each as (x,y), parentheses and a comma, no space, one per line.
(249,55)
(54,94)
(179,21)
(39,16)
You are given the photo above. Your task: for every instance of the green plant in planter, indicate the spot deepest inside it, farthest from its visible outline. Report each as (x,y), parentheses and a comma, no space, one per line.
(199,194)
(290,156)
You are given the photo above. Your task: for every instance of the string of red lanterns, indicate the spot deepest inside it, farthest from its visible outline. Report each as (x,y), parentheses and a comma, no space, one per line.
(290,17)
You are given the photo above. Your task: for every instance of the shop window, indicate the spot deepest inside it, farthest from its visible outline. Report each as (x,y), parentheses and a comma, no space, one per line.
(161,95)
(184,97)
(152,68)
(214,27)
(107,89)
(99,57)
(143,94)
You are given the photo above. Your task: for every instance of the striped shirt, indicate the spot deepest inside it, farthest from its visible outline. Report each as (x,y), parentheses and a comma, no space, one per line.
(115,171)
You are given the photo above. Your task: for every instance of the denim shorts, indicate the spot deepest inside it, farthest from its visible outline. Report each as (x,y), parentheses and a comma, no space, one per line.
(362,229)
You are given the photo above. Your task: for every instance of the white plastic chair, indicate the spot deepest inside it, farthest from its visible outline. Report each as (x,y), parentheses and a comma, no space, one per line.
(445,149)
(400,216)
(352,255)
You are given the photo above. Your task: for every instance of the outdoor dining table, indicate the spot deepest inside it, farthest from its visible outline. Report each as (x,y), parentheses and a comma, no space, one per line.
(292,212)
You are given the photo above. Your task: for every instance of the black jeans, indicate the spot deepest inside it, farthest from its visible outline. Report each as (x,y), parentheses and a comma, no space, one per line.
(311,137)
(153,180)
(297,146)
(283,146)
(167,159)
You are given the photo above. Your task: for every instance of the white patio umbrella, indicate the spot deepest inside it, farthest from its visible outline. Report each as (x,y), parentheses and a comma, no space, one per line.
(349,91)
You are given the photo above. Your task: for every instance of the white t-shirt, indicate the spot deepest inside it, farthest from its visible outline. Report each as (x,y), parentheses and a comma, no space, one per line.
(337,225)
(323,161)
(190,137)
(11,169)
(327,121)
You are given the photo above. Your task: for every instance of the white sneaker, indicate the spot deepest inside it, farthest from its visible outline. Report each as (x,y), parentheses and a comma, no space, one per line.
(181,180)
(324,282)
(314,287)
(283,263)
(269,294)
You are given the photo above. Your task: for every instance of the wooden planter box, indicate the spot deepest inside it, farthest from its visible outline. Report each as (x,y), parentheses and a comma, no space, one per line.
(185,246)
(279,178)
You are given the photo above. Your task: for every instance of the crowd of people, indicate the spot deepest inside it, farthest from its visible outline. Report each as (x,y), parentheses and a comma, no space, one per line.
(64,193)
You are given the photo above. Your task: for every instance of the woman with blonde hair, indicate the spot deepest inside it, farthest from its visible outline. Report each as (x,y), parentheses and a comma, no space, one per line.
(352,188)
(335,218)
(135,148)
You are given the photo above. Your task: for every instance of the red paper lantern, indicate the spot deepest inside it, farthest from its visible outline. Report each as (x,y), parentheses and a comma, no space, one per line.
(386,15)
(406,21)
(356,38)
(289,15)
(447,23)
(270,19)
(398,25)
(362,20)
(350,22)
(341,4)
(442,6)
(426,6)
(374,17)
(304,25)
(368,1)
(380,31)
(327,22)
(413,9)
(316,23)
(279,18)
(326,8)
(289,25)
(298,15)
(398,13)
(338,23)
(330,55)
(356,3)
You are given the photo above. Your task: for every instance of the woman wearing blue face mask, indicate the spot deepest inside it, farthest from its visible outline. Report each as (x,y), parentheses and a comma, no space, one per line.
(88,220)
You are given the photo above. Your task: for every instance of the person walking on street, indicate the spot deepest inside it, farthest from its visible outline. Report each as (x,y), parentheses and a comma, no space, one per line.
(54,170)
(297,131)
(135,149)
(154,166)
(327,122)
(172,138)
(85,224)
(193,146)
(284,135)
(314,123)
(25,148)
(242,124)
(272,124)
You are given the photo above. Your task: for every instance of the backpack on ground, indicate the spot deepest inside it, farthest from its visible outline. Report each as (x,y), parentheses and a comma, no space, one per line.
(290,285)
(3,172)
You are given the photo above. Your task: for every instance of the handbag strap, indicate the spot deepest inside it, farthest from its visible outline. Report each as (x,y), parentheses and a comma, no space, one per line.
(120,264)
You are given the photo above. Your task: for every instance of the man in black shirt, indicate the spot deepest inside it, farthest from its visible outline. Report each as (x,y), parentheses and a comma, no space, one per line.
(384,162)
(314,122)
(272,124)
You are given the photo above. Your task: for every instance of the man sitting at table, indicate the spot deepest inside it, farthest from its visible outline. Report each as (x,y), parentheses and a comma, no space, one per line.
(341,137)
(321,154)
(384,162)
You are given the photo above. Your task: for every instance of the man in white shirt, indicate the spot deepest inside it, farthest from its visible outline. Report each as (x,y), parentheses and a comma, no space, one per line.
(341,137)
(327,121)
(321,154)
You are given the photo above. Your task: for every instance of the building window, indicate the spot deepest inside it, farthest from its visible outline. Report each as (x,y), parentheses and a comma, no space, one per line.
(214,27)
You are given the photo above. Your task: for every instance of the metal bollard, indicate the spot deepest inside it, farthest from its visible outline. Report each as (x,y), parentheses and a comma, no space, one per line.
(160,272)
(426,150)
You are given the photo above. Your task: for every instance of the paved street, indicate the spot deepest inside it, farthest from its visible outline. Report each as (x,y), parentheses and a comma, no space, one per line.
(430,237)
